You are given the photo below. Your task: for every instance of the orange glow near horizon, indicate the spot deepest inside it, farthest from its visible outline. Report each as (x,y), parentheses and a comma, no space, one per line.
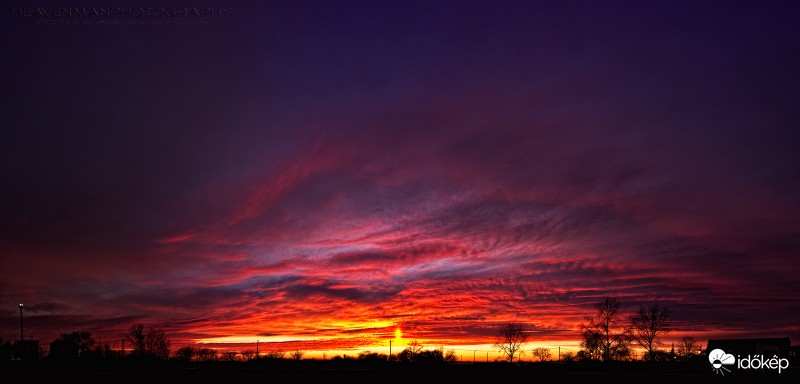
(334,179)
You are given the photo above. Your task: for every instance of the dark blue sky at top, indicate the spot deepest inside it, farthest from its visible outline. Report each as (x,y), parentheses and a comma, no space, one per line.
(678,116)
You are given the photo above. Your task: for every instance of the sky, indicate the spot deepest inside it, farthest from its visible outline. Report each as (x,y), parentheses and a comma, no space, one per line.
(331,175)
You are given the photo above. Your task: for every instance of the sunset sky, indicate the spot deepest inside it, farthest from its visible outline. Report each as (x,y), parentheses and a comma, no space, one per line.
(322,174)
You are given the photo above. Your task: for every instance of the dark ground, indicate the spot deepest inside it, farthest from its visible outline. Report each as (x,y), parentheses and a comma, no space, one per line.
(323,372)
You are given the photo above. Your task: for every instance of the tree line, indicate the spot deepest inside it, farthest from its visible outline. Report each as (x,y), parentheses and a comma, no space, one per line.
(608,335)
(151,344)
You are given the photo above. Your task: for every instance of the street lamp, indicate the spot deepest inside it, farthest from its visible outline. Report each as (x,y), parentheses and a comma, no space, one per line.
(21,334)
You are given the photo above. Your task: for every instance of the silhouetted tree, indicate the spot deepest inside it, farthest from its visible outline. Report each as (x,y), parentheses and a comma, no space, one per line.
(449,356)
(658,355)
(136,336)
(409,354)
(229,356)
(404,356)
(297,355)
(434,356)
(187,353)
(420,356)
(687,348)
(206,354)
(510,340)
(83,340)
(647,324)
(622,351)
(274,355)
(248,354)
(372,357)
(568,357)
(414,348)
(592,344)
(614,339)
(541,353)
(149,343)
(71,346)
(106,351)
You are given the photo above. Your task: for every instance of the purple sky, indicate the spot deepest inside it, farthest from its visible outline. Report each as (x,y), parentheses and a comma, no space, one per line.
(331,171)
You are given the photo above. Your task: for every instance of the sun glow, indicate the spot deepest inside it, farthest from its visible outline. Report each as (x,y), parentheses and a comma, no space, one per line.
(398,333)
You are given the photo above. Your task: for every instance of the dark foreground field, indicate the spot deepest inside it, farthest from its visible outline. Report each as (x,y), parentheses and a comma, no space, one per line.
(320,372)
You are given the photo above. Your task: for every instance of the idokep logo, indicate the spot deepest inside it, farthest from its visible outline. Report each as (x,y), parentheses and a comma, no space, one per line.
(760,362)
(719,359)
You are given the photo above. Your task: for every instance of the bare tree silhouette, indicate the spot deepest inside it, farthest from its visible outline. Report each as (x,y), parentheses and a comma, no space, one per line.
(229,356)
(297,355)
(410,353)
(542,353)
(449,356)
(606,326)
(76,343)
(414,348)
(187,353)
(372,357)
(248,354)
(688,348)
(647,324)
(415,353)
(510,339)
(206,354)
(592,344)
(150,343)
(274,355)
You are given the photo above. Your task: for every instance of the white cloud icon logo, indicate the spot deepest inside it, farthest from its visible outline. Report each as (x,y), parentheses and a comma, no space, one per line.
(718,358)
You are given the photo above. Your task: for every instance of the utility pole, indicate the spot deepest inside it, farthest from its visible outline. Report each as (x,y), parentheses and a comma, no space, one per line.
(487,356)
(473,356)
(123,348)
(21,333)
(390,350)
(559,353)
(256,348)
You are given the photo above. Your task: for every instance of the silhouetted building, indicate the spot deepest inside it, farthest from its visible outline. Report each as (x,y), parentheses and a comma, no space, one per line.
(764,347)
